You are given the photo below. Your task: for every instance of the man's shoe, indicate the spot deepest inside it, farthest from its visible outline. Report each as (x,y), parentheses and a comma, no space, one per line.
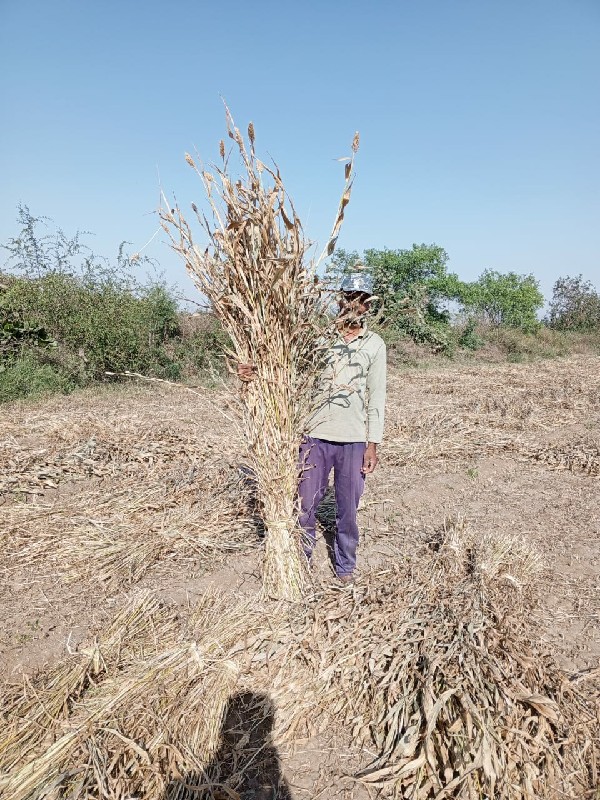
(346,578)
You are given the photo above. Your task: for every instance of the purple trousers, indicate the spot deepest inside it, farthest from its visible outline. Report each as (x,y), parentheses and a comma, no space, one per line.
(317,458)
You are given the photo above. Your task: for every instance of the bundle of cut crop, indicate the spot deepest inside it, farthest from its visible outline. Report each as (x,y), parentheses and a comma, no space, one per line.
(256,274)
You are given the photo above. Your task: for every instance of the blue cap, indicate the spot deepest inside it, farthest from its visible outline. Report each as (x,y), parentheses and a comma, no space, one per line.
(357,282)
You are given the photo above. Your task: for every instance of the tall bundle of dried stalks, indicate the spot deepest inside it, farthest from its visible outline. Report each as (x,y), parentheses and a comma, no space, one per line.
(255,275)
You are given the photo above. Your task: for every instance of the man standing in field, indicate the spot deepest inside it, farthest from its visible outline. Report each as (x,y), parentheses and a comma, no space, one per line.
(345,424)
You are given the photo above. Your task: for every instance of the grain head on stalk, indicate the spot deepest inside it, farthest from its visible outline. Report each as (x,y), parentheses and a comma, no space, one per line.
(255,270)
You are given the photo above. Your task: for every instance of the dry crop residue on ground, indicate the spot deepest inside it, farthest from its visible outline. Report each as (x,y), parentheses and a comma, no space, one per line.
(130,572)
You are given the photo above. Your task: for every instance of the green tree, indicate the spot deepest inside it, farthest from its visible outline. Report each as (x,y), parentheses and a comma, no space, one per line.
(413,287)
(504,299)
(575,305)
(400,274)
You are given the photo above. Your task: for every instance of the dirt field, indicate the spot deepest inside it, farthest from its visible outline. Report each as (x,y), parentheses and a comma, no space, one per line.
(106,494)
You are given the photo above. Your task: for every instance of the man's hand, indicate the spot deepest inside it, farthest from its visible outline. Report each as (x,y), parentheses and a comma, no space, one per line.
(246,372)
(369,459)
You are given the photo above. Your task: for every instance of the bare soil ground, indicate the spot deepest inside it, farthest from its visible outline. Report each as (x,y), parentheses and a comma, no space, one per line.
(103,494)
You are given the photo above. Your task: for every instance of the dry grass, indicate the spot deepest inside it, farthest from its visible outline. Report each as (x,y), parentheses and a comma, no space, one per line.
(33,709)
(581,457)
(462,412)
(121,719)
(116,543)
(254,270)
(96,502)
(432,665)
(430,670)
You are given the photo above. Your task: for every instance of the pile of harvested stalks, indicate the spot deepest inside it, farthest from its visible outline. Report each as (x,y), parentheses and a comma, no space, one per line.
(434,666)
(254,274)
(142,705)
(430,665)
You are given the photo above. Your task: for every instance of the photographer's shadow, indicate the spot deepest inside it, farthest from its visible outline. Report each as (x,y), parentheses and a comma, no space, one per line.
(246,765)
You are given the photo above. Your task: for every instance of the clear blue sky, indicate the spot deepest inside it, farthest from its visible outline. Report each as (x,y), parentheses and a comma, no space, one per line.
(479,119)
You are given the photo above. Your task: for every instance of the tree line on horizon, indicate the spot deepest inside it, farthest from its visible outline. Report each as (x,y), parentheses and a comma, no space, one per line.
(416,294)
(68,317)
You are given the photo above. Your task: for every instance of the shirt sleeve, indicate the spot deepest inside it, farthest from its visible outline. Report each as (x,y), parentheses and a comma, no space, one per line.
(376,384)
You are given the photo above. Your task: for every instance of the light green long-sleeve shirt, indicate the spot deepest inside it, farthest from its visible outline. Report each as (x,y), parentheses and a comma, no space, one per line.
(349,399)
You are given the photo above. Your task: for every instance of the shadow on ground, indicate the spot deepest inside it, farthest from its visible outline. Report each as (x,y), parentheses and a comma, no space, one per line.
(246,765)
